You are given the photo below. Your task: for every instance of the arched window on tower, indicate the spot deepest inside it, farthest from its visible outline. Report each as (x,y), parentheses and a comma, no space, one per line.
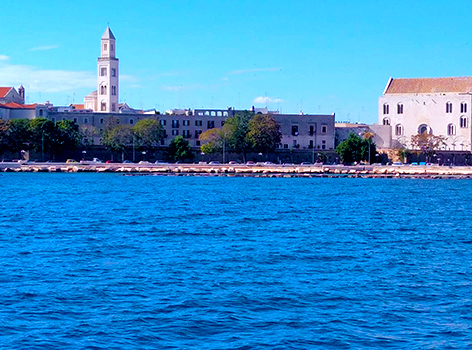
(463,107)
(399,130)
(451,129)
(400,108)
(448,107)
(463,122)
(385,108)
(386,121)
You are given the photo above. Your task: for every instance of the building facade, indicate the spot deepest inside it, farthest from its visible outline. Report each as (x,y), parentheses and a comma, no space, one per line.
(105,98)
(437,106)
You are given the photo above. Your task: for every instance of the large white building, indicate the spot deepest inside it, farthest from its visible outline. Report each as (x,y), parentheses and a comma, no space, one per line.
(437,106)
(105,98)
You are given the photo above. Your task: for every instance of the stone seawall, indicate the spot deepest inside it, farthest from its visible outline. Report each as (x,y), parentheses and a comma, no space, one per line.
(370,171)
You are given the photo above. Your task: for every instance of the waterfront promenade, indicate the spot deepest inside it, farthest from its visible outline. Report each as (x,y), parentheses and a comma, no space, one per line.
(260,170)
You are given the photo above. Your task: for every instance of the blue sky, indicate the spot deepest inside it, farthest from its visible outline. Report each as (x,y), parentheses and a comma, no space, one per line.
(315,56)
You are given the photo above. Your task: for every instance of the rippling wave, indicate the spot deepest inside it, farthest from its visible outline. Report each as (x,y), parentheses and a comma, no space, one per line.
(102,261)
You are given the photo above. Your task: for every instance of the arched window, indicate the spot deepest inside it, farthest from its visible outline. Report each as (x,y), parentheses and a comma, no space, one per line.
(85,120)
(399,130)
(463,107)
(40,112)
(400,108)
(463,122)
(386,121)
(385,108)
(423,129)
(451,129)
(448,107)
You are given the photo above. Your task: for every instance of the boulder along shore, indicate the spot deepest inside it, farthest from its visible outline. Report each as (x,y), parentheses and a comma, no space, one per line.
(363,171)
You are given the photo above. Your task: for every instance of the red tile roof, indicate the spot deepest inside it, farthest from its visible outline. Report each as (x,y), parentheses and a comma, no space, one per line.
(78,106)
(17,105)
(429,85)
(4,91)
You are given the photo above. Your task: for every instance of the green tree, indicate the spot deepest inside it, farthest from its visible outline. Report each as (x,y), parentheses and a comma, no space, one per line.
(355,149)
(179,149)
(3,135)
(264,133)
(87,134)
(212,141)
(68,136)
(18,135)
(427,143)
(236,129)
(118,138)
(148,133)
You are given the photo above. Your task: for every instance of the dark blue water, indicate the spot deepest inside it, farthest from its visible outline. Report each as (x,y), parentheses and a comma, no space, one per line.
(103,261)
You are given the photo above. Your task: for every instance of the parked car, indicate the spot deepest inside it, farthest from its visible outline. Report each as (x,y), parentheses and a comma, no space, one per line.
(109,161)
(214,163)
(305,163)
(233,162)
(71,161)
(127,162)
(144,162)
(250,163)
(160,162)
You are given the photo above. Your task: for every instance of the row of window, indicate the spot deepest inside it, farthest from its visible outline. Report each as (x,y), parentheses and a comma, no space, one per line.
(451,129)
(463,121)
(213,113)
(104,71)
(186,133)
(105,47)
(103,90)
(176,123)
(386,108)
(295,144)
(312,131)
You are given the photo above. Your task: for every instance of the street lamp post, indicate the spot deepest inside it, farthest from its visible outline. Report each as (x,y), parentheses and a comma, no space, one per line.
(224,148)
(84,152)
(144,155)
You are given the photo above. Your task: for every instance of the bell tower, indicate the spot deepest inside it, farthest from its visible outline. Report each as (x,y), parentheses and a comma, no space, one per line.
(107,75)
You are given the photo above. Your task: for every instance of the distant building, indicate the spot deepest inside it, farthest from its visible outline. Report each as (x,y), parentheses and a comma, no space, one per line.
(105,98)
(382,133)
(437,106)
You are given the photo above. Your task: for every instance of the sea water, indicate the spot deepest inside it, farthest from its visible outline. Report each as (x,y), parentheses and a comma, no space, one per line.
(105,261)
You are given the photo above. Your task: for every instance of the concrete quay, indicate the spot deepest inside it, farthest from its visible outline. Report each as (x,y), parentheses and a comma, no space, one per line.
(258,170)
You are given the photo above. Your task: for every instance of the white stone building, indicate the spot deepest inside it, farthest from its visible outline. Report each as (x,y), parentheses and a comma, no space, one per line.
(105,98)
(438,106)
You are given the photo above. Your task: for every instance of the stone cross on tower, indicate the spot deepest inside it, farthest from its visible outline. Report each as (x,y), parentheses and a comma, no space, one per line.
(107,74)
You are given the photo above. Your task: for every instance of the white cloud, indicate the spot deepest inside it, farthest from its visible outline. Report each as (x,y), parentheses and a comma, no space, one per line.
(45,80)
(266,99)
(43,48)
(254,70)
(4,58)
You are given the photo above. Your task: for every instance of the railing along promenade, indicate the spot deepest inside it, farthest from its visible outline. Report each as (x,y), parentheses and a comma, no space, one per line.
(259,170)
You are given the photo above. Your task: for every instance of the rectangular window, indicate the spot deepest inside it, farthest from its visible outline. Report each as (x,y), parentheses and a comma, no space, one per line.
(448,107)
(175,124)
(323,144)
(324,129)
(210,124)
(186,134)
(113,107)
(385,109)
(222,123)
(311,144)
(197,133)
(186,122)
(103,71)
(163,122)
(175,132)
(131,121)
(198,122)
(113,72)
(197,143)
(104,106)
(105,47)
(463,107)
(294,130)
(312,130)
(399,108)
(113,90)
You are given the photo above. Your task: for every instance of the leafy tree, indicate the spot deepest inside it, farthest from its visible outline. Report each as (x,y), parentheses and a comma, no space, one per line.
(355,149)
(88,133)
(427,143)
(148,132)
(236,129)
(264,133)
(18,135)
(212,141)
(68,136)
(179,149)
(118,138)
(3,135)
